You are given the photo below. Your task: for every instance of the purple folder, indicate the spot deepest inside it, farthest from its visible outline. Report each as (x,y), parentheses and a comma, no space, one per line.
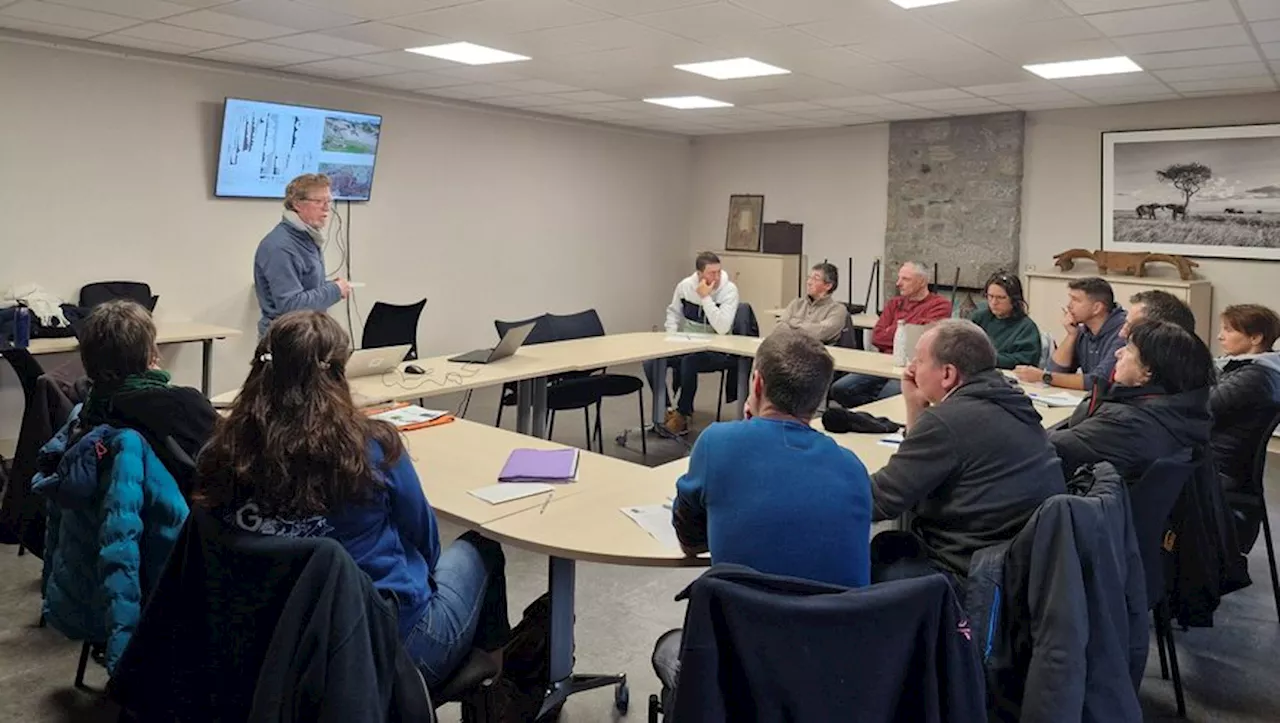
(540,465)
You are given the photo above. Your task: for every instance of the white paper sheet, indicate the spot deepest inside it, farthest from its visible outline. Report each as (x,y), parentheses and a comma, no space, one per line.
(656,520)
(891,440)
(687,337)
(1055,400)
(408,415)
(507,491)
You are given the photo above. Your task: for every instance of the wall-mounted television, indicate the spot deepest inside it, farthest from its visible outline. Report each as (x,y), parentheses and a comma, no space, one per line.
(265,145)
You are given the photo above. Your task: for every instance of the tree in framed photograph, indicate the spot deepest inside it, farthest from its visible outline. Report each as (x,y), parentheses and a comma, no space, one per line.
(746,217)
(1208,192)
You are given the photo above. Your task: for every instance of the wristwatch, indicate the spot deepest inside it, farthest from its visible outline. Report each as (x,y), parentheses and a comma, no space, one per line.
(1047,377)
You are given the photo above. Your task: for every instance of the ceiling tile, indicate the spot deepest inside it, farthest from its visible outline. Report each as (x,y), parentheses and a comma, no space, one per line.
(329,45)
(472,92)
(539,86)
(628,8)
(261,54)
(1267,31)
(1192,58)
(1271,50)
(588,96)
(139,9)
(199,3)
(1260,9)
(1210,72)
(1217,37)
(1021,99)
(414,81)
(379,9)
(971,104)
(799,12)
(385,35)
(341,68)
(34,26)
(407,61)
(1092,7)
(157,46)
(67,16)
(1183,16)
(930,95)
(194,39)
(594,36)
(984,14)
(707,22)
(500,73)
(215,22)
(1018,88)
(1261,83)
(1055,105)
(477,21)
(288,13)
(788,107)
(1121,80)
(532,101)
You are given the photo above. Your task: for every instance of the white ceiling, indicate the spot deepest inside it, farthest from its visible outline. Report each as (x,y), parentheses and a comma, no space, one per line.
(853,61)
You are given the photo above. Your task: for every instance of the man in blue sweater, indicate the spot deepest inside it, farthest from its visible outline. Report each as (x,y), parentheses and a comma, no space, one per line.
(288,269)
(771,492)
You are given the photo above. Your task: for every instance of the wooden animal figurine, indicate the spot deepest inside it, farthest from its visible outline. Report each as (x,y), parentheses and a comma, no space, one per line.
(1126,263)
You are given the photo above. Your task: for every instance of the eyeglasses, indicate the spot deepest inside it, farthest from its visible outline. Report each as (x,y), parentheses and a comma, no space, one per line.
(995,297)
(324,202)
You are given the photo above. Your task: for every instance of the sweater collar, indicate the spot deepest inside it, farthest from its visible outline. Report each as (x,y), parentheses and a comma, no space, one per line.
(295,221)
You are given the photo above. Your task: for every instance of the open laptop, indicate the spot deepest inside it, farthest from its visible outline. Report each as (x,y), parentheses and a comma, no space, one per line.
(511,341)
(367,362)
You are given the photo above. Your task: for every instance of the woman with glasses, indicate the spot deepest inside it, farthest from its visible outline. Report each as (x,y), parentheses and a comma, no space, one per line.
(1004,319)
(288,269)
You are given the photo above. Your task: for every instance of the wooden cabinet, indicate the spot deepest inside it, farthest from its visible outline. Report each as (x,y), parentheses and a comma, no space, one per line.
(766,281)
(1047,295)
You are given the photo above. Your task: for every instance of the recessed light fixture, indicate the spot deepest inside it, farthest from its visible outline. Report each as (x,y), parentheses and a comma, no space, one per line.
(733,68)
(689,102)
(1084,68)
(913,4)
(468,53)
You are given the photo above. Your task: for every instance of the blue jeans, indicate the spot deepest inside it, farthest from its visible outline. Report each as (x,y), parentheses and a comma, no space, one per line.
(854,390)
(468,609)
(687,367)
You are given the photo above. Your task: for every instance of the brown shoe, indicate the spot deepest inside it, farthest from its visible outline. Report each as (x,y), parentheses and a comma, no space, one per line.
(676,423)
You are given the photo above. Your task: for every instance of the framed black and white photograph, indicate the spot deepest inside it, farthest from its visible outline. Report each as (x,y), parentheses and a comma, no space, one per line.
(1211,192)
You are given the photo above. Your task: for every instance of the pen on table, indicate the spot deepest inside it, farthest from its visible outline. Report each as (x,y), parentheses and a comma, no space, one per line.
(546,502)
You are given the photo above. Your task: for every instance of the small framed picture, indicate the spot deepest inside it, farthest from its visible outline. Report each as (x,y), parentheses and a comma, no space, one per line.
(746,220)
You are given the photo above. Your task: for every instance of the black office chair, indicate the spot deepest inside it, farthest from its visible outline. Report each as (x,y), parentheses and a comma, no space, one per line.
(393,325)
(596,382)
(1152,500)
(103,291)
(1254,499)
(559,399)
(28,371)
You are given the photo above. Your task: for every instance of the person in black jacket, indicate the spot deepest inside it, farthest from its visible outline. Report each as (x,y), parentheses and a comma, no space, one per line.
(1156,406)
(130,391)
(1244,402)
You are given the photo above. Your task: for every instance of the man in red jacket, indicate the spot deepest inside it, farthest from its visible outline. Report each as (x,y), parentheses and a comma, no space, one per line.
(914,304)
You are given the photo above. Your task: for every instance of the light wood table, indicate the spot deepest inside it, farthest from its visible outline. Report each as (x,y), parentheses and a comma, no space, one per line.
(166,333)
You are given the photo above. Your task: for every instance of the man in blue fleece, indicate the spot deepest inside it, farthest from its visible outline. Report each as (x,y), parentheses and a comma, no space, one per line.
(288,269)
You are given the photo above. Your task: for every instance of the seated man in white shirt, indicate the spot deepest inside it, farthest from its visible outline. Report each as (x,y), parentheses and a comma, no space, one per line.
(704,303)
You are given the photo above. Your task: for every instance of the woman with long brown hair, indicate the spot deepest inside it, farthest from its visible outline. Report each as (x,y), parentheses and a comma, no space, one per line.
(296,458)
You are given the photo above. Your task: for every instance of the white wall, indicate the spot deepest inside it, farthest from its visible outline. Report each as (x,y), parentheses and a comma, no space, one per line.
(835,182)
(107,167)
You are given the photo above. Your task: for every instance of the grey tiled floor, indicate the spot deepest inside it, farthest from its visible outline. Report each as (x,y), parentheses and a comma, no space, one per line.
(1230,671)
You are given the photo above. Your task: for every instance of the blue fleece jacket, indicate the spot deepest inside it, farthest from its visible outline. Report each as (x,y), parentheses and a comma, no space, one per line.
(114,514)
(288,274)
(779,497)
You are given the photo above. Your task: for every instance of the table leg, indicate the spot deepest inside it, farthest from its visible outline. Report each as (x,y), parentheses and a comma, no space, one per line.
(524,406)
(744,384)
(206,373)
(564,682)
(539,428)
(658,385)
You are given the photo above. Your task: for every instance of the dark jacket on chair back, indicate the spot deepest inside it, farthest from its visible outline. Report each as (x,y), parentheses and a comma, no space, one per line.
(246,627)
(1073,643)
(971,471)
(896,651)
(1244,401)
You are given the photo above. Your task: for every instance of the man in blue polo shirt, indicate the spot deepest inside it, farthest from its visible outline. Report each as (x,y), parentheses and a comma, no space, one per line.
(771,492)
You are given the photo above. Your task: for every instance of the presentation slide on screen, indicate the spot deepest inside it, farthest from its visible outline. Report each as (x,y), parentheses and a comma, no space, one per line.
(265,145)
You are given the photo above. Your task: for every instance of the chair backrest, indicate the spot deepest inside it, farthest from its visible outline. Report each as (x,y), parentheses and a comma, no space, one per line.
(581,325)
(1047,345)
(393,325)
(1152,499)
(848,335)
(103,291)
(26,367)
(744,321)
(542,333)
(1260,457)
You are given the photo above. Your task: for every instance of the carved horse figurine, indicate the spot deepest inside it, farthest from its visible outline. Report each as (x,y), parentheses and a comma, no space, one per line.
(1124,263)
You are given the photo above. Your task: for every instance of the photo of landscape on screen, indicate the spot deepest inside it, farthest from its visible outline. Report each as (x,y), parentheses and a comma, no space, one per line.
(265,145)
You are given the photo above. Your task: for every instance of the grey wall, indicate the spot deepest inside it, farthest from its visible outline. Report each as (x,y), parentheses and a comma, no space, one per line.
(955,196)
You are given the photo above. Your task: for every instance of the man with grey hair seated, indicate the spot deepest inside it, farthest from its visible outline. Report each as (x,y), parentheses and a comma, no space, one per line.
(914,304)
(817,313)
(974,464)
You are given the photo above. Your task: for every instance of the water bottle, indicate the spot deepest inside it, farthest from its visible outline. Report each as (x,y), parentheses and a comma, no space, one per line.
(900,353)
(22,327)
